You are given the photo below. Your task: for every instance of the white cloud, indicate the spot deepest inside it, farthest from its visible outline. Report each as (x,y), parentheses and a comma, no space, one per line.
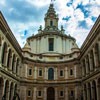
(39,3)
(71,26)
(2,2)
(95,11)
(89,22)
(79,15)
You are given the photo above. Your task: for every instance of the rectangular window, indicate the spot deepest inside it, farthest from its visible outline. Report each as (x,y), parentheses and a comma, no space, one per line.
(61,93)
(72,93)
(51,23)
(51,44)
(30,71)
(40,72)
(29,93)
(71,71)
(61,73)
(39,93)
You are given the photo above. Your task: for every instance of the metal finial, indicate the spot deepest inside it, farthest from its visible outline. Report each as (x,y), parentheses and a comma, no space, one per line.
(52,1)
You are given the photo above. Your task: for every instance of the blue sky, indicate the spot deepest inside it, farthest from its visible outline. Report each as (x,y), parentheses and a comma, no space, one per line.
(25,16)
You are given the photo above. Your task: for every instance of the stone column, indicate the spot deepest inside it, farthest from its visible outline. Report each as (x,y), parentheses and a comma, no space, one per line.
(86,66)
(84,93)
(95,58)
(55,74)
(18,69)
(0,49)
(99,50)
(88,92)
(56,93)
(45,73)
(92,94)
(97,90)
(34,93)
(9,90)
(35,72)
(46,43)
(83,70)
(15,66)
(4,87)
(66,73)
(6,59)
(90,62)
(76,93)
(45,93)
(66,93)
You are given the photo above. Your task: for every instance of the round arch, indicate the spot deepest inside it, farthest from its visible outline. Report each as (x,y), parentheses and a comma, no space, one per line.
(50,74)
(94,90)
(1,87)
(50,93)
(99,87)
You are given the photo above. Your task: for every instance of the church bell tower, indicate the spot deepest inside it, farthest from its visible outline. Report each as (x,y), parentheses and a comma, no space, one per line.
(51,18)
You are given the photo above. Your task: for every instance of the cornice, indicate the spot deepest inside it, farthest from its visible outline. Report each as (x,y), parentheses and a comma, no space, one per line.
(8,33)
(45,33)
(91,36)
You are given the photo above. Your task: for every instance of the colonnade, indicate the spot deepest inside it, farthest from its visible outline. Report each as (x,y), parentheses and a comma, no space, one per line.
(7,89)
(91,90)
(8,59)
(91,61)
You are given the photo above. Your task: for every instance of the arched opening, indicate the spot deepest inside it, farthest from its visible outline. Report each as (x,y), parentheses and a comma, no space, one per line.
(16,95)
(89,91)
(4,54)
(6,92)
(99,87)
(1,88)
(94,90)
(11,91)
(50,74)
(50,93)
(85,92)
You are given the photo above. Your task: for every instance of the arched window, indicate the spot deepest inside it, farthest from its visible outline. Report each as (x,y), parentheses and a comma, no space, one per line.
(50,74)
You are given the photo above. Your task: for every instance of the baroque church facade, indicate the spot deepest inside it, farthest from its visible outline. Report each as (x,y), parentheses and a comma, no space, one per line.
(50,66)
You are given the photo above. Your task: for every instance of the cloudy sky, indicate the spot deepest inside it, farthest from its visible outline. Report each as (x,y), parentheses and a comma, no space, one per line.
(25,16)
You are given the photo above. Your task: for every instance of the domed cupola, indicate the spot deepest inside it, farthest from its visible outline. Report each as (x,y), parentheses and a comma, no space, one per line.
(51,19)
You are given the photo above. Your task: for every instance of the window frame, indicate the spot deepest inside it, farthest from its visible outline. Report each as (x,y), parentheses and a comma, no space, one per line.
(29,92)
(51,44)
(30,71)
(40,70)
(50,76)
(61,92)
(61,70)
